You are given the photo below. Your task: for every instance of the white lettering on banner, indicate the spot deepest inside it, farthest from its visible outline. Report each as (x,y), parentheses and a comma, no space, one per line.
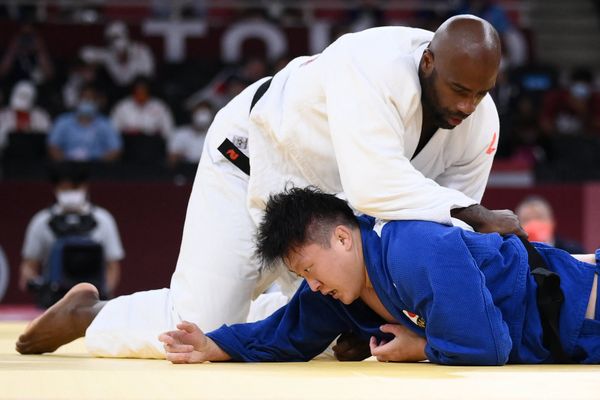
(234,37)
(175,33)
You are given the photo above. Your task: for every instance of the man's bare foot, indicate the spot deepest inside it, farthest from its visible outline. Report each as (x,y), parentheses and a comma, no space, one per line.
(62,323)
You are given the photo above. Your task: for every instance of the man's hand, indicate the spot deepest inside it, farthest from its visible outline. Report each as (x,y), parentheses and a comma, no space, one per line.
(487,221)
(349,347)
(407,346)
(188,345)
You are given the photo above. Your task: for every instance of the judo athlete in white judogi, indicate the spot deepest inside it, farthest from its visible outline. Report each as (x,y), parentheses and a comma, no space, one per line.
(397,120)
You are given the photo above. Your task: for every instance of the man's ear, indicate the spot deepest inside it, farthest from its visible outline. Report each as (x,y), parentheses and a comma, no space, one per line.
(343,235)
(427,62)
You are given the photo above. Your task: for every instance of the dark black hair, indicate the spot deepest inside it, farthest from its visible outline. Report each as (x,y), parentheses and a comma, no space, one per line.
(142,80)
(69,171)
(296,217)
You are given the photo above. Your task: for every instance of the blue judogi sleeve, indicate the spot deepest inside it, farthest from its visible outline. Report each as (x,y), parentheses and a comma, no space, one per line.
(298,331)
(445,285)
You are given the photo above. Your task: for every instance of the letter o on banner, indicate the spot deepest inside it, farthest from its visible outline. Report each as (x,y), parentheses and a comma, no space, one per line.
(234,37)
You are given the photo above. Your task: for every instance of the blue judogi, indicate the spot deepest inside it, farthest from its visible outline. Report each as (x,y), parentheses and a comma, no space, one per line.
(473,292)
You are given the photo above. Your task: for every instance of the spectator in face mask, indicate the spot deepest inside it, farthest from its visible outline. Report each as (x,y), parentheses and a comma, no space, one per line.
(74,213)
(123,59)
(537,219)
(22,116)
(187,142)
(142,113)
(85,134)
(573,110)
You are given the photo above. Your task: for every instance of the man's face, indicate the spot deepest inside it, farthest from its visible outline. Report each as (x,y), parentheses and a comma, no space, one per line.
(141,94)
(334,270)
(537,220)
(71,196)
(452,89)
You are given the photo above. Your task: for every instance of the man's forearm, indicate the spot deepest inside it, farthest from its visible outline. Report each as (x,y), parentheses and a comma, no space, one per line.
(474,215)
(488,221)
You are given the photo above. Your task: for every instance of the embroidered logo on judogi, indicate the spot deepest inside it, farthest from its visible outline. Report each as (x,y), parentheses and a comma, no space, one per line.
(417,320)
(491,148)
(240,142)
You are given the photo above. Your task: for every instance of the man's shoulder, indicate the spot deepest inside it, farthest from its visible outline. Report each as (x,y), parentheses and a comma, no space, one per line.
(101,214)
(124,105)
(103,122)
(40,218)
(65,118)
(156,104)
(420,236)
(414,226)
(139,48)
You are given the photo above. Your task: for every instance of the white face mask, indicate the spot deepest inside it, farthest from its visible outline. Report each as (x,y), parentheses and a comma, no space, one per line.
(22,96)
(71,199)
(202,118)
(21,102)
(120,44)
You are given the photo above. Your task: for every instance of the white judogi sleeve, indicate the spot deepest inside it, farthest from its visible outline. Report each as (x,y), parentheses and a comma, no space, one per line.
(365,106)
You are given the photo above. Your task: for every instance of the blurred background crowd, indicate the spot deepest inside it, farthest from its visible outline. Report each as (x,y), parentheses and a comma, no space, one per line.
(129,87)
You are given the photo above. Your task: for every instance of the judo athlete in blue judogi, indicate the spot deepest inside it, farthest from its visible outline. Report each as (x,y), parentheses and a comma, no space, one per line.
(418,290)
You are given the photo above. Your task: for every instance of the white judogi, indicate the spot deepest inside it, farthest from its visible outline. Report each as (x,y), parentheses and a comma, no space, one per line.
(347,120)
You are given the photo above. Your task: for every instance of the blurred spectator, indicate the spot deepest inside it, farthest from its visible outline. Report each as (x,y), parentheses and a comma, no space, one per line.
(431,15)
(280,63)
(85,134)
(253,35)
(80,74)
(573,110)
(253,69)
(523,137)
(179,9)
(4,274)
(26,58)
(140,113)
(367,14)
(515,45)
(21,11)
(123,59)
(233,86)
(72,221)
(230,82)
(537,218)
(187,142)
(22,116)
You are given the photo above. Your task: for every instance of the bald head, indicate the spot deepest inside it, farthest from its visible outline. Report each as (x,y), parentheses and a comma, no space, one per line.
(467,36)
(458,69)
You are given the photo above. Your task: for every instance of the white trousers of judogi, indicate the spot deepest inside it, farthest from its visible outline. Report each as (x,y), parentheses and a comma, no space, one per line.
(216,277)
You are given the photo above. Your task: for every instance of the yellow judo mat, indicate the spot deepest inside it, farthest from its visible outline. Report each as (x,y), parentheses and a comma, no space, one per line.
(71,374)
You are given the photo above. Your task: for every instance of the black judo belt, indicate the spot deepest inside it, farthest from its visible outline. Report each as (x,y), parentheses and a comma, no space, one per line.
(229,150)
(549,299)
